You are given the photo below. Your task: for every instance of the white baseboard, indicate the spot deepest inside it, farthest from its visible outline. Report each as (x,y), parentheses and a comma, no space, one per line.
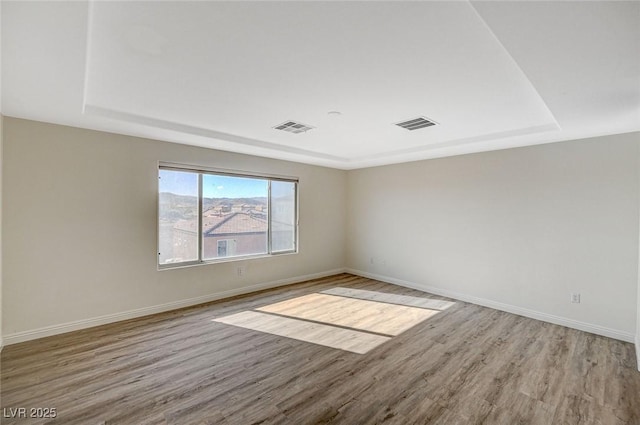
(146,311)
(557,320)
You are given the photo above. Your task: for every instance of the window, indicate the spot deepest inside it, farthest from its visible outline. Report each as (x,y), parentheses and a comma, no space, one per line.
(205,216)
(226,247)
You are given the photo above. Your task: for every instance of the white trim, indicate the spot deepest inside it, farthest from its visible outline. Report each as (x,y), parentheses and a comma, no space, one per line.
(203,169)
(533,314)
(87,54)
(146,311)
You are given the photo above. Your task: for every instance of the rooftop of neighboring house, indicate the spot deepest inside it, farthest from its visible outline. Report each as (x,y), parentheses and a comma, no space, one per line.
(216,224)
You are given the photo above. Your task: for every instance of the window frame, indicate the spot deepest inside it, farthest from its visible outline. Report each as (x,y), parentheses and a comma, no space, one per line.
(202,170)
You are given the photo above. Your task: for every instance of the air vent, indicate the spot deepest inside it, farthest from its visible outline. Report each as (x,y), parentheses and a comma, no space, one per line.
(416,123)
(293,127)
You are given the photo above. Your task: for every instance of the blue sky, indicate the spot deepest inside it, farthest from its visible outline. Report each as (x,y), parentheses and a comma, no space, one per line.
(184,183)
(232,187)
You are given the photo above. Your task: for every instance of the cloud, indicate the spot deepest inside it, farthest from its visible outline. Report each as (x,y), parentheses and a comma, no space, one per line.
(219,187)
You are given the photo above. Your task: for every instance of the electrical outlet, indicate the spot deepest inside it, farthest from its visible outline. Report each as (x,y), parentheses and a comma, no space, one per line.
(241,270)
(371,260)
(575,298)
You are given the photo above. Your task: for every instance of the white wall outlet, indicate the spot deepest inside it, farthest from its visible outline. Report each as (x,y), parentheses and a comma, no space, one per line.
(242,270)
(371,260)
(575,298)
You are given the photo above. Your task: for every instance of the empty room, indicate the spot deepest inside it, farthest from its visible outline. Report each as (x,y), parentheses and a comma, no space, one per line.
(309,212)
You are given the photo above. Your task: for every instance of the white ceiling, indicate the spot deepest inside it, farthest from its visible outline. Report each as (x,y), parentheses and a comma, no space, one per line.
(493,74)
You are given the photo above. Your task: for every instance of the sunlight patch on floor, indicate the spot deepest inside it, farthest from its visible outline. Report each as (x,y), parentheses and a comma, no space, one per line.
(390,298)
(316,333)
(348,319)
(364,315)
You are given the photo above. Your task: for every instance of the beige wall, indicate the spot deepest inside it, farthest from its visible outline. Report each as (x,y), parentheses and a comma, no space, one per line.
(1,144)
(637,341)
(518,229)
(1,208)
(80,225)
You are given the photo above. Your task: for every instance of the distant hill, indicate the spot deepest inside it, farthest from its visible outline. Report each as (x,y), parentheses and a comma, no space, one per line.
(172,198)
(175,207)
(214,202)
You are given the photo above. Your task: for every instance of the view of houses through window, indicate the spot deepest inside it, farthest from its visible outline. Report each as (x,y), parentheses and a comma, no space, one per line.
(207,216)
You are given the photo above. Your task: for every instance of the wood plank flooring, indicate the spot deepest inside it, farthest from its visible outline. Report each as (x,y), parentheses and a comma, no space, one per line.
(372,316)
(464,365)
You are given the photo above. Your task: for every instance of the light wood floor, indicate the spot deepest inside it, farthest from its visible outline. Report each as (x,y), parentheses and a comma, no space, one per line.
(464,365)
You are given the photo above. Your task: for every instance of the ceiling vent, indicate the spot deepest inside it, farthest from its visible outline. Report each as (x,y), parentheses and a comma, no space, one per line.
(293,127)
(416,123)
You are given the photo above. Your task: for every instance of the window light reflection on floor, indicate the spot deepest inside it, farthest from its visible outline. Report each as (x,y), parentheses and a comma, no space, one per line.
(348,319)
